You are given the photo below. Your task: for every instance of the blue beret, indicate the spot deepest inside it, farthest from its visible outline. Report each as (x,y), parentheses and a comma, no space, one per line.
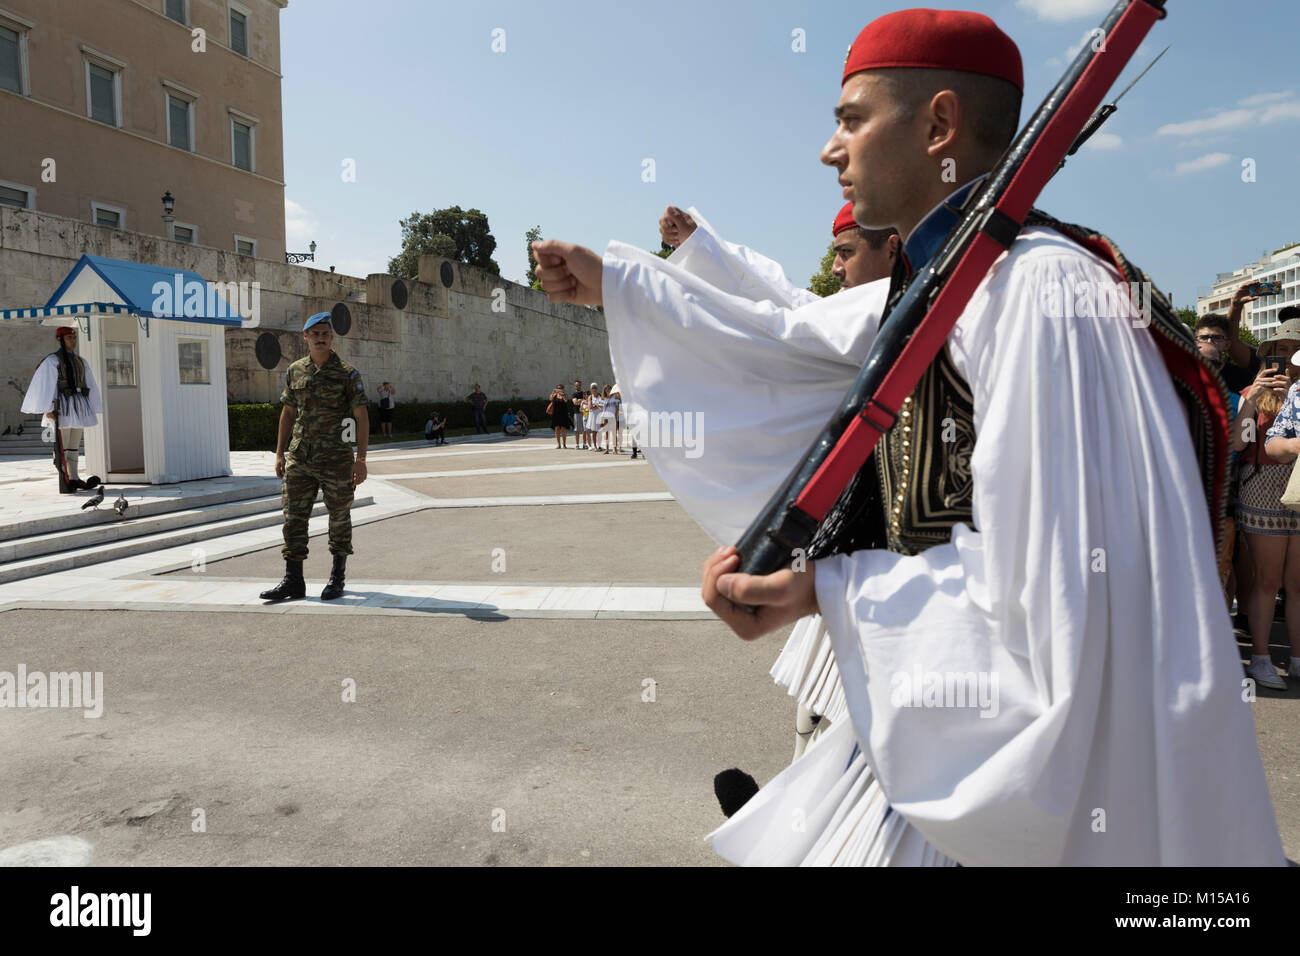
(318,317)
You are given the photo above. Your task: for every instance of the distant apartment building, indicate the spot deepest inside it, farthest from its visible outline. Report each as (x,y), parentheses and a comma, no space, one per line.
(107,105)
(1260,316)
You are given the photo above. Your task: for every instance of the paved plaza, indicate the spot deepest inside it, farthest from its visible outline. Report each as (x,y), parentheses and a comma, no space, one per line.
(520,672)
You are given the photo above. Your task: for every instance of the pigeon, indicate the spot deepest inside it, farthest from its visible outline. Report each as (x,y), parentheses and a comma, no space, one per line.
(8,429)
(120,505)
(95,501)
(20,429)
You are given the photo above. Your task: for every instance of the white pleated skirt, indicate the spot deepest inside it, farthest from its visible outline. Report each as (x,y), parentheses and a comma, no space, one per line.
(826,808)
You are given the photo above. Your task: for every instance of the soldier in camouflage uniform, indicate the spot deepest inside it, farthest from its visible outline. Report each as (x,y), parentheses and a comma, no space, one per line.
(325,408)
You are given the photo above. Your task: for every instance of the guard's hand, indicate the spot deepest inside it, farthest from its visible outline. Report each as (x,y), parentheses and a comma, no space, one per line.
(675,227)
(358,472)
(279,466)
(779,598)
(568,272)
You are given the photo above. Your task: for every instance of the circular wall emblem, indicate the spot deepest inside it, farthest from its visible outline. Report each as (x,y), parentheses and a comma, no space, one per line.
(447,274)
(399,294)
(267,349)
(340,319)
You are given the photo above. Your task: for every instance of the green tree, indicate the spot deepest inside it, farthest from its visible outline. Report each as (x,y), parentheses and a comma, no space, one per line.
(532,235)
(824,282)
(460,234)
(665,250)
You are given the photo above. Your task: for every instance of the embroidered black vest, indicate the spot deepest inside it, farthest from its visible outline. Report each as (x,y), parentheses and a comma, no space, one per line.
(917,484)
(72,373)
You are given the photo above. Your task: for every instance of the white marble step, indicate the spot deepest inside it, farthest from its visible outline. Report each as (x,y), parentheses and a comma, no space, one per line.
(131,526)
(98,553)
(142,506)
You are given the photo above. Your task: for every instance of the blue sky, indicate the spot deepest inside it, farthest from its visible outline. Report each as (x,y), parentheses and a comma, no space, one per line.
(554,130)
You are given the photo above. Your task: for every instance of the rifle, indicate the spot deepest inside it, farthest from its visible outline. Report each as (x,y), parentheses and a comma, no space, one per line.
(920,317)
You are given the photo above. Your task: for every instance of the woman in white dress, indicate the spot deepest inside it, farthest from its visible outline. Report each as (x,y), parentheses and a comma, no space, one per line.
(594,405)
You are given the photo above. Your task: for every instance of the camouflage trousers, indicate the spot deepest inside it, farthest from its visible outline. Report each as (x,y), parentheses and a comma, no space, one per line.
(298,495)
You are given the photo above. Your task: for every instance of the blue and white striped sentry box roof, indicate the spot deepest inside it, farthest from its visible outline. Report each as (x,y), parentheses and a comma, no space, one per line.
(101,286)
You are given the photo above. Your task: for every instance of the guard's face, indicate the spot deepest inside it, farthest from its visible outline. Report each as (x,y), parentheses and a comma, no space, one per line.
(856,263)
(69,341)
(319,338)
(878,153)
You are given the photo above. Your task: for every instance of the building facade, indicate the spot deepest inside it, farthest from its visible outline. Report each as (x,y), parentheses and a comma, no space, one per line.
(105,106)
(1260,316)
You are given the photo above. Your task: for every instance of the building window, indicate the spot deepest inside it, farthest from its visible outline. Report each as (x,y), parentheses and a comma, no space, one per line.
(241,140)
(102,215)
(13,49)
(239,30)
(245,247)
(20,197)
(175,10)
(184,232)
(119,364)
(180,122)
(104,93)
(193,357)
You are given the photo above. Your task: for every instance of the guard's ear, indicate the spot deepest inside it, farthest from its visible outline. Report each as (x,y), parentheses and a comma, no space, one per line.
(945,116)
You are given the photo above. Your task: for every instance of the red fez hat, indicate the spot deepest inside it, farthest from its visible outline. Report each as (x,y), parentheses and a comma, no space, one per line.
(844,220)
(63,330)
(936,40)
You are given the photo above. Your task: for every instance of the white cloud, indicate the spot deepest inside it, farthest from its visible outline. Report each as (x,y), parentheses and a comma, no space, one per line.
(1228,119)
(1071,51)
(1104,141)
(1253,110)
(299,226)
(1208,161)
(1061,10)
(1280,111)
(1259,99)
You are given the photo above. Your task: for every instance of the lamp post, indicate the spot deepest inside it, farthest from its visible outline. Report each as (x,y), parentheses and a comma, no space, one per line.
(169,203)
(292,257)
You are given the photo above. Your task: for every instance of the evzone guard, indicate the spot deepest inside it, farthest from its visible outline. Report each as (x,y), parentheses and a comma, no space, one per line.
(63,392)
(1053,543)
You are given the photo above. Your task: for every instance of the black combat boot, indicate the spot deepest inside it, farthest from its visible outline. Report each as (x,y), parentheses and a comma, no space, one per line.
(293,586)
(334,588)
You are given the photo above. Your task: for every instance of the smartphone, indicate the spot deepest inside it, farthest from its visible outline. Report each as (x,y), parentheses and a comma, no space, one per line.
(1273,287)
(1277,364)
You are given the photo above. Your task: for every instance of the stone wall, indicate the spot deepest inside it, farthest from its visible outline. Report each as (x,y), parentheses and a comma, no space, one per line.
(460,325)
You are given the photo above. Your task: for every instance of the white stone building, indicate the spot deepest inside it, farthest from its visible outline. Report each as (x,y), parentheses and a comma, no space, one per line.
(1260,316)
